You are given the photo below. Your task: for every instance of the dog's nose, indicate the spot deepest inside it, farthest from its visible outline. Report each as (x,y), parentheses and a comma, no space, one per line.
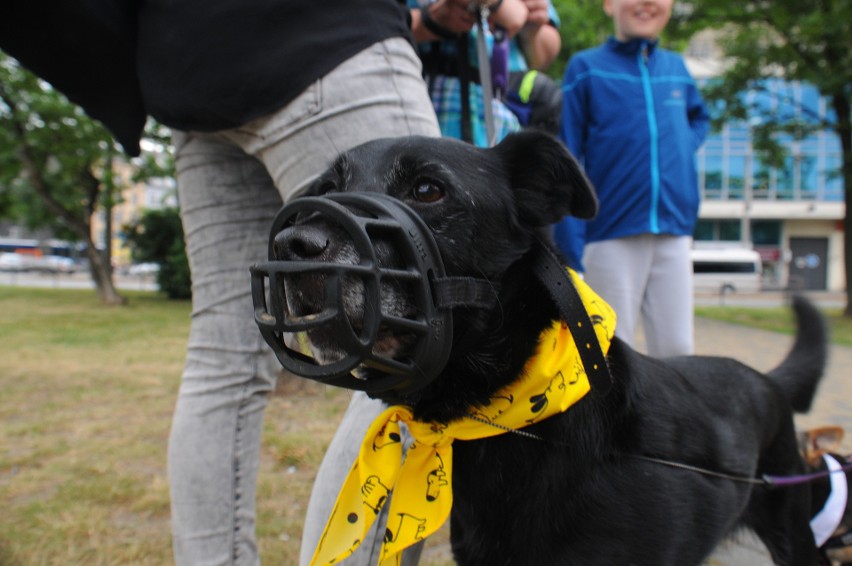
(300,243)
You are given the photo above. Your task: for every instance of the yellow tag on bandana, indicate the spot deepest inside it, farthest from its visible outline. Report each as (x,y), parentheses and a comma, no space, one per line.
(553,380)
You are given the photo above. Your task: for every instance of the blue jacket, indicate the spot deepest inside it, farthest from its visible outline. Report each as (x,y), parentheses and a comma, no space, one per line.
(633,116)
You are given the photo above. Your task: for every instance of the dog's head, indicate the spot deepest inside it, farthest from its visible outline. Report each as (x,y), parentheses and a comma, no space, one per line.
(485,209)
(484,206)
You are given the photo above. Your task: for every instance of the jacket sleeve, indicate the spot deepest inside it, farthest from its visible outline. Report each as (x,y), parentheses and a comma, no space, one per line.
(699,118)
(574,109)
(86,49)
(569,235)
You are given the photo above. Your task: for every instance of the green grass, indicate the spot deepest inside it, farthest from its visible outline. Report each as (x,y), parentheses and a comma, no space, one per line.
(85,409)
(84,414)
(779,319)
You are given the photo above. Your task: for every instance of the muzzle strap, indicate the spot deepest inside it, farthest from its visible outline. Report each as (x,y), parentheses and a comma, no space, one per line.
(553,275)
(452,292)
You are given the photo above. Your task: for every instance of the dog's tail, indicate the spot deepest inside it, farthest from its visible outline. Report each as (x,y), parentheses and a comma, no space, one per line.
(800,372)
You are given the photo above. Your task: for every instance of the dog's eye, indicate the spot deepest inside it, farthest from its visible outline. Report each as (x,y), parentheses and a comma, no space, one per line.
(427,191)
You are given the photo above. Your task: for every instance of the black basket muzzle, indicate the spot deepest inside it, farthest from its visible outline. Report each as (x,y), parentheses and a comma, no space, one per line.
(370,221)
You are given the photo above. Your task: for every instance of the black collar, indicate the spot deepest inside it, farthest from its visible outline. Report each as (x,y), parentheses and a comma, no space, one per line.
(555,278)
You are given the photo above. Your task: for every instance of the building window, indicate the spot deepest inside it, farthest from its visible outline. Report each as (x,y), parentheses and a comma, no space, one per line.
(717,230)
(704,231)
(728,166)
(766,232)
(785,179)
(730,230)
(736,176)
(761,180)
(713,176)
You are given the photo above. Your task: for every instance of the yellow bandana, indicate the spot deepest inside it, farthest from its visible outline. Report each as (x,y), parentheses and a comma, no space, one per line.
(554,379)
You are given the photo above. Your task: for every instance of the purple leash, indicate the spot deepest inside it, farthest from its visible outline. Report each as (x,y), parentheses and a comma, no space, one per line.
(500,62)
(786,481)
(766,480)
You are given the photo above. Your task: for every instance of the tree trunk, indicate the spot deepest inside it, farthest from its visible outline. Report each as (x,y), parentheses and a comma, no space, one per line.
(102,276)
(840,102)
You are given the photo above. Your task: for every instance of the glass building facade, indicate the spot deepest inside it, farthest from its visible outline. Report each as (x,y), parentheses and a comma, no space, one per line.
(730,171)
(729,167)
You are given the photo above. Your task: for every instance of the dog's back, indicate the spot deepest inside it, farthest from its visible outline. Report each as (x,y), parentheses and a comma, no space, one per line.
(726,418)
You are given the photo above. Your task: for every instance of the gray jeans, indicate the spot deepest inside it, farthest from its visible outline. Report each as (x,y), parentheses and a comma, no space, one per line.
(230,185)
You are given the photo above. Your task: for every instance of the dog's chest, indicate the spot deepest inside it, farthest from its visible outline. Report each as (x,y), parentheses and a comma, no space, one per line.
(509,474)
(511,498)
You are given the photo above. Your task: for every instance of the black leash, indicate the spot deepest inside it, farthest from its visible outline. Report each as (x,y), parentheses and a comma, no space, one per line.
(768,481)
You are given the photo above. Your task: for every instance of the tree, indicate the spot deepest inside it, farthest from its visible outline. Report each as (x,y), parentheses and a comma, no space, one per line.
(583,25)
(55,165)
(158,237)
(791,40)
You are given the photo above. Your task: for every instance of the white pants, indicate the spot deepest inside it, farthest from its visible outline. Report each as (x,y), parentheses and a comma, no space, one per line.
(648,276)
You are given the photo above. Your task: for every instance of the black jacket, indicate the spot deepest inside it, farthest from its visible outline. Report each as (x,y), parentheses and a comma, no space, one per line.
(191,64)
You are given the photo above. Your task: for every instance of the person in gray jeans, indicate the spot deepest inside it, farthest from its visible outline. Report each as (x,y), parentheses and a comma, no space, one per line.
(261,95)
(230,185)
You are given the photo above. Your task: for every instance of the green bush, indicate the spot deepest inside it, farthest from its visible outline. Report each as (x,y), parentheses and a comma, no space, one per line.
(158,237)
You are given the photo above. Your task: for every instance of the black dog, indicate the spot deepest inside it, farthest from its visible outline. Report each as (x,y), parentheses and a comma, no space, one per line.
(640,475)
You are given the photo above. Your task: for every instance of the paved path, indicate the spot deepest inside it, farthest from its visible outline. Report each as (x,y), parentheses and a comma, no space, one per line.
(763,350)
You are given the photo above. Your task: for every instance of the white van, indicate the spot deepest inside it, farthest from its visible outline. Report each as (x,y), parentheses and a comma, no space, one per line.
(726,270)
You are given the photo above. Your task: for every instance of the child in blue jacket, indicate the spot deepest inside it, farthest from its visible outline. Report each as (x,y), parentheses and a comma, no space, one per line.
(634,118)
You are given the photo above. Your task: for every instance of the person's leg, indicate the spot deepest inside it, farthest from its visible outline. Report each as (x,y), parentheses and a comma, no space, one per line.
(618,270)
(227,204)
(378,93)
(667,311)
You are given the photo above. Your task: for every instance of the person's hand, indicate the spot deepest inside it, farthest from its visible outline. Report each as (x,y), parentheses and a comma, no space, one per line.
(511,15)
(453,15)
(538,12)
(540,41)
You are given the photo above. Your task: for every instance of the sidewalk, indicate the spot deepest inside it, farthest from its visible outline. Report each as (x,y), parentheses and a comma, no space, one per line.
(763,350)
(828,299)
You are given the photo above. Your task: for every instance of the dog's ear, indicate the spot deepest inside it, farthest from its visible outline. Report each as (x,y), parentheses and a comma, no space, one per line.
(547,180)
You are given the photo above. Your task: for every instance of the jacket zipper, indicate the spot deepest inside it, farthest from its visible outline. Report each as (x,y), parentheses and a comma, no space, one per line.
(654,137)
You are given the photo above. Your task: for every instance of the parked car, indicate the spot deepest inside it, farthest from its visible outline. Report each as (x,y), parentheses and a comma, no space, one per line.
(41,263)
(142,269)
(56,264)
(726,270)
(12,262)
